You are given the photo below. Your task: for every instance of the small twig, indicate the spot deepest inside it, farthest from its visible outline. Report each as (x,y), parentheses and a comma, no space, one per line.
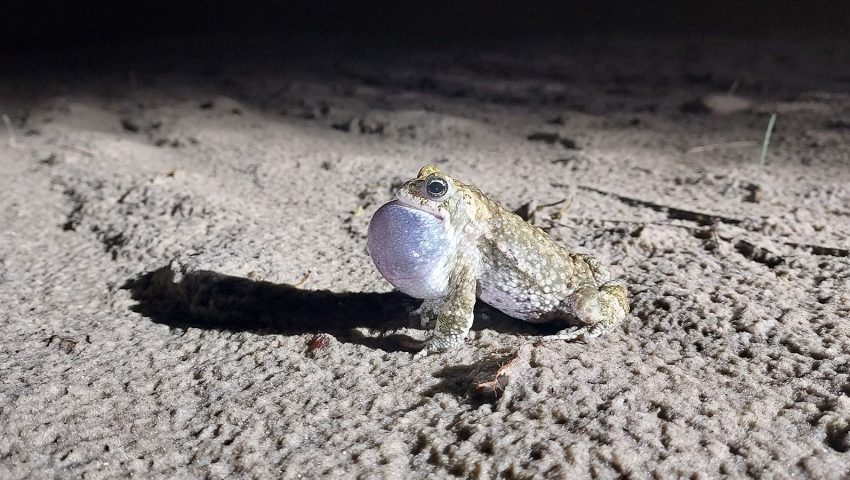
(502,377)
(547,205)
(733,88)
(758,254)
(135,187)
(814,249)
(764,145)
(81,151)
(641,223)
(716,146)
(700,232)
(673,213)
(821,250)
(121,450)
(560,212)
(10,131)
(302,280)
(528,211)
(742,244)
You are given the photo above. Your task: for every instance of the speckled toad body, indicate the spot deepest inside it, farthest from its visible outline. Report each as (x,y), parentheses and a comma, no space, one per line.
(446,242)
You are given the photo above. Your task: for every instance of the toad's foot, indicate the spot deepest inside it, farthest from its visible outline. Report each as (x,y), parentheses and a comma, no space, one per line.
(598,308)
(437,344)
(567,334)
(583,333)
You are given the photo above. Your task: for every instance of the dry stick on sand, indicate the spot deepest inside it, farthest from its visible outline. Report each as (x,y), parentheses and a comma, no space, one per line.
(673,213)
(302,281)
(717,146)
(733,88)
(764,145)
(507,370)
(141,184)
(821,250)
(642,223)
(703,219)
(756,192)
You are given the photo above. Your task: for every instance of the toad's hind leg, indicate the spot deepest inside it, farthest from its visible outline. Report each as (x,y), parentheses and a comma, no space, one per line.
(598,308)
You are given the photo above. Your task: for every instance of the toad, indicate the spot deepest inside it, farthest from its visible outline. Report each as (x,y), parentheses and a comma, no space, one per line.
(447,243)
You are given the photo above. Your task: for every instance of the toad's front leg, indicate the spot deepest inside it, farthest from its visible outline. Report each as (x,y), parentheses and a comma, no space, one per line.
(454,317)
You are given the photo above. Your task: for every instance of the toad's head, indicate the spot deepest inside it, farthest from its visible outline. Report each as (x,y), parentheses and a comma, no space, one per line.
(434,192)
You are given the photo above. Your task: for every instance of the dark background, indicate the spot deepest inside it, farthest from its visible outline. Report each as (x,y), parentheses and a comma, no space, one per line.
(41,24)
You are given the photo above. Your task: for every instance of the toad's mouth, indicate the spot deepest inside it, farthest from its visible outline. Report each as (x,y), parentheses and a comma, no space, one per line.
(413,205)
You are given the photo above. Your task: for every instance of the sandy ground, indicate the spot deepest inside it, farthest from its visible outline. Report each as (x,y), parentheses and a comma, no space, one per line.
(177,228)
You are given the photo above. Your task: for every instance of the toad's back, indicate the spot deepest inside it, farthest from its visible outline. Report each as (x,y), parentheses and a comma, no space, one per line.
(525,274)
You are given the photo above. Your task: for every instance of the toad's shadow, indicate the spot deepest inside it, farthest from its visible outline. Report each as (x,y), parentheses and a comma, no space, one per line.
(210,300)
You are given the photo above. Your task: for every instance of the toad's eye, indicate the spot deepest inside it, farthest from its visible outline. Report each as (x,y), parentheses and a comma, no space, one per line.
(437,187)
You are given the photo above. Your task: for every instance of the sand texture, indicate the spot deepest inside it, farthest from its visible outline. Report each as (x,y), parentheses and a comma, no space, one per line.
(185,290)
